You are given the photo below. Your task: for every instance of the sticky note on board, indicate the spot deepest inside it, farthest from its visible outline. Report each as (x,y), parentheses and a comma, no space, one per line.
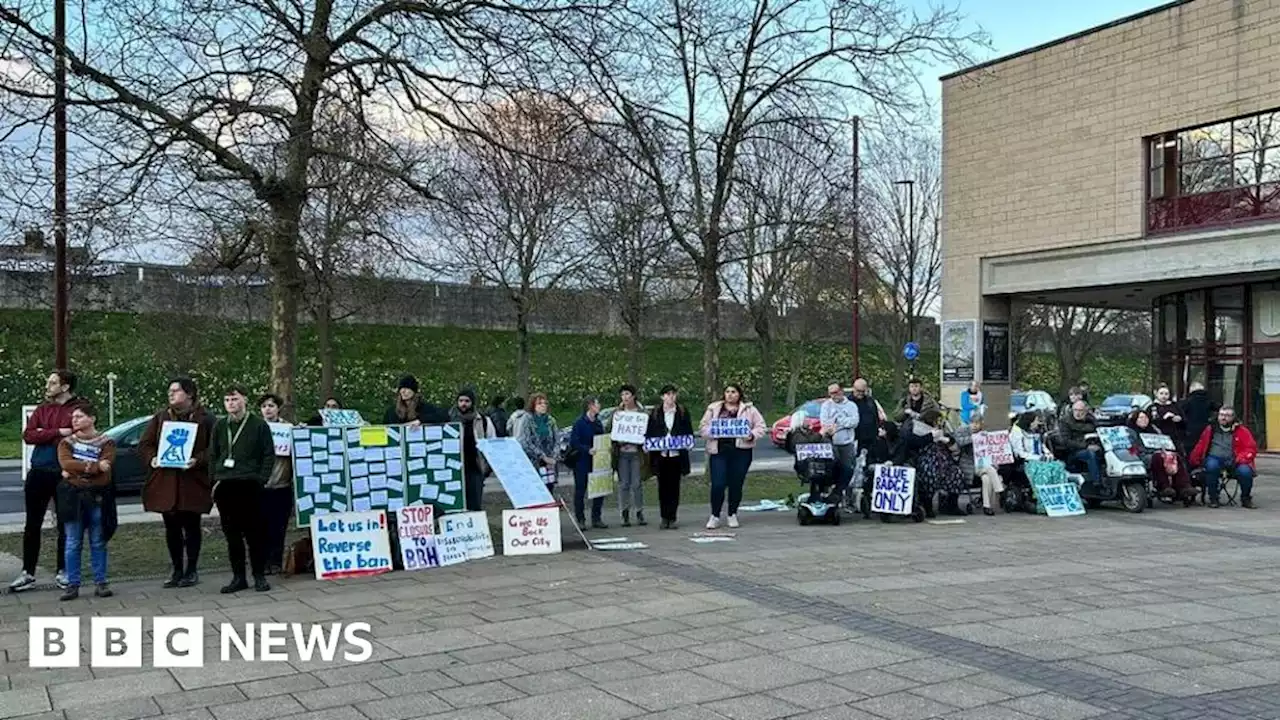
(435,462)
(377,482)
(323,498)
(443,475)
(431,432)
(302,467)
(355,454)
(336,462)
(378,497)
(454,464)
(394,468)
(339,507)
(434,447)
(339,490)
(360,486)
(359,470)
(375,436)
(304,503)
(418,480)
(336,447)
(377,468)
(373,455)
(335,432)
(447,499)
(302,450)
(353,435)
(332,479)
(415,465)
(450,431)
(392,453)
(413,434)
(361,504)
(417,450)
(452,447)
(393,435)
(430,492)
(311,485)
(395,503)
(395,485)
(453,486)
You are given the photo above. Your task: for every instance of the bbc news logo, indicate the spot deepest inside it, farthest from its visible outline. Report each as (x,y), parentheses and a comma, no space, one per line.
(178,642)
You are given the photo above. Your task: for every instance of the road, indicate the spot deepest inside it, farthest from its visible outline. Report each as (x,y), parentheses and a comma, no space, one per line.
(767,457)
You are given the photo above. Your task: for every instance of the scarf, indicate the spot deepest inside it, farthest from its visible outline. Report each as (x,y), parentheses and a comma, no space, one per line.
(407,411)
(457,415)
(542,425)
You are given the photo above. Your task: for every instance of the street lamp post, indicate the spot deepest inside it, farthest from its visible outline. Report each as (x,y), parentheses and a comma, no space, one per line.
(60,299)
(857,248)
(911,238)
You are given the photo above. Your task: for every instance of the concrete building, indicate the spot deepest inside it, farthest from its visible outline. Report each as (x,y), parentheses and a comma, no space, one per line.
(1134,165)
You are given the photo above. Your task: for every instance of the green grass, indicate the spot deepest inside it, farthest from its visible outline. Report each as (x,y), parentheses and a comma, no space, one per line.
(137,551)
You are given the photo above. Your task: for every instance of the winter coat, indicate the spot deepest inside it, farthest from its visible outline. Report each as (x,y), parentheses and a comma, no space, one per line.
(969,403)
(746,410)
(89,484)
(424,412)
(1162,417)
(170,489)
(482,428)
(682,425)
(582,440)
(1243,446)
(1072,432)
(1197,414)
(869,419)
(498,417)
(536,447)
(42,431)
(921,406)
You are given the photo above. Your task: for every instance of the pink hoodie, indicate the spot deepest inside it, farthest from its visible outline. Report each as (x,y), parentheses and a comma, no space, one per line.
(745,410)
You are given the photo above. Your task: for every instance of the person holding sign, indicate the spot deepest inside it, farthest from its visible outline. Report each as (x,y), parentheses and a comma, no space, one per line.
(582,440)
(180,495)
(330,403)
(628,462)
(475,426)
(730,455)
(85,499)
(937,469)
(1168,471)
(667,423)
(277,494)
(410,408)
(243,457)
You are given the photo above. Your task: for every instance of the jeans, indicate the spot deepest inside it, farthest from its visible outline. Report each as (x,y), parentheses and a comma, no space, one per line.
(474,483)
(669,487)
(277,511)
(580,475)
(97,548)
(239,510)
(630,484)
(41,488)
(1213,466)
(728,472)
(1090,460)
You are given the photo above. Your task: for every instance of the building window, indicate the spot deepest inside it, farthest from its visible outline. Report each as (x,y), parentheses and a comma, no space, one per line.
(1218,174)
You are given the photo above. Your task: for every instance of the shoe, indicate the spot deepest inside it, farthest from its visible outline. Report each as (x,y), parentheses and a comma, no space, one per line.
(273,569)
(713,523)
(260,584)
(1247,503)
(175,580)
(103,591)
(1214,503)
(22,582)
(1167,493)
(191,578)
(71,593)
(583,524)
(626,518)
(236,585)
(598,525)
(61,580)
(988,512)
(733,521)
(664,525)
(640,518)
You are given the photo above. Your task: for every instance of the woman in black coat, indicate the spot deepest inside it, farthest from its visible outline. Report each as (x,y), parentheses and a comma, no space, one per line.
(670,421)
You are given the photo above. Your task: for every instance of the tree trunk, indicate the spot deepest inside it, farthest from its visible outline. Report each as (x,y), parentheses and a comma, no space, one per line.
(324,345)
(286,288)
(767,399)
(710,278)
(524,349)
(797,366)
(635,355)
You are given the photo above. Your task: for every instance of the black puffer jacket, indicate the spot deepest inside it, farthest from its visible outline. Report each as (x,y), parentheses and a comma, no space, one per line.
(1197,412)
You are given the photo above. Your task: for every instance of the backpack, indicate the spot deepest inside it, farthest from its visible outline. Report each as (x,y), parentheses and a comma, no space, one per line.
(568,455)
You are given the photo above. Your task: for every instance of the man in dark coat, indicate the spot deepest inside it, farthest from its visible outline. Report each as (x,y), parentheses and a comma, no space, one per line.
(1198,410)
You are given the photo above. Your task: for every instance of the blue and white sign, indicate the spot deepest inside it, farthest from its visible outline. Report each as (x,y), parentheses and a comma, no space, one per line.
(176,441)
(822,451)
(669,443)
(911,351)
(523,484)
(1055,492)
(335,417)
(730,428)
(1114,438)
(893,491)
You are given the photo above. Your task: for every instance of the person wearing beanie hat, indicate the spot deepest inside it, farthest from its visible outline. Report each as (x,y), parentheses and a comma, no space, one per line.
(410,408)
(475,426)
(181,496)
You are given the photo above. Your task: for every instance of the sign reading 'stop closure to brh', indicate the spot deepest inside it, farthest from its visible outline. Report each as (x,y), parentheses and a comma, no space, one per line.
(730,428)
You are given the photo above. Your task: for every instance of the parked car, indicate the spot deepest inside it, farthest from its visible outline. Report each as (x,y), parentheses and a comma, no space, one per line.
(129,473)
(1116,408)
(1021,401)
(811,412)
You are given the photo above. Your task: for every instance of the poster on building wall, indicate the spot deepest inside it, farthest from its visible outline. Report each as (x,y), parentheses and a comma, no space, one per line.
(959,348)
(995,352)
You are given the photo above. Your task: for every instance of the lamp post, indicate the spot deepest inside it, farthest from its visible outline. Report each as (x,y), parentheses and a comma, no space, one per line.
(857,249)
(911,237)
(60,299)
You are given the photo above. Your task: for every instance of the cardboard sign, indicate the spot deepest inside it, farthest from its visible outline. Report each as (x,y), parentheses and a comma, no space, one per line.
(1156,441)
(893,490)
(991,449)
(730,428)
(602,458)
(176,441)
(464,536)
(282,438)
(340,418)
(1055,493)
(1114,438)
(377,471)
(804,451)
(523,484)
(669,443)
(531,532)
(416,528)
(350,544)
(629,427)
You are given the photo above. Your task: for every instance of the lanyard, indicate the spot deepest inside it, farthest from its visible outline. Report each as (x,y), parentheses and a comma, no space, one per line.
(231,441)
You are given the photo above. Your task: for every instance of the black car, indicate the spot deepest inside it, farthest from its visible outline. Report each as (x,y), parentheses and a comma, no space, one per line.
(129,474)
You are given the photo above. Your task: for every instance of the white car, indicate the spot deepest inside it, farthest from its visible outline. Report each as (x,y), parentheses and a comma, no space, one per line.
(1021,401)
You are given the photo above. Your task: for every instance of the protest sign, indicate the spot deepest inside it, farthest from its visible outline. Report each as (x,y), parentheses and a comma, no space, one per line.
(1114,438)
(991,449)
(629,427)
(282,438)
(893,490)
(523,484)
(416,529)
(340,418)
(730,428)
(350,544)
(804,451)
(531,532)
(433,467)
(1056,494)
(600,481)
(320,478)
(1156,441)
(176,441)
(377,466)
(669,443)
(464,536)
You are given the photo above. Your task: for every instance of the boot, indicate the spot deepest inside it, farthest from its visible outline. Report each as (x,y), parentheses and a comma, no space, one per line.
(103,591)
(951,506)
(237,584)
(174,580)
(928,507)
(190,579)
(598,524)
(626,518)
(1246,502)
(71,593)
(260,583)
(640,518)
(1214,502)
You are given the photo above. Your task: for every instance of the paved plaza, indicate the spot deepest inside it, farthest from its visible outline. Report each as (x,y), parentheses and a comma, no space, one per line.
(1170,614)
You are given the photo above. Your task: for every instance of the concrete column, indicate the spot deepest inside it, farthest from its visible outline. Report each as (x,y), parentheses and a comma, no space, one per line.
(962,299)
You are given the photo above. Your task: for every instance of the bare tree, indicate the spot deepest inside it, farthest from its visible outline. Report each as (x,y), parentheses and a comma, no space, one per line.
(1076,334)
(903,199)
(688,83)
(513,209)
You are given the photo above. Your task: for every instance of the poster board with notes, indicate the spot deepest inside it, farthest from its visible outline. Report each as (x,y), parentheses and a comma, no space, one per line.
(375,454)
(434,467)
(320,475)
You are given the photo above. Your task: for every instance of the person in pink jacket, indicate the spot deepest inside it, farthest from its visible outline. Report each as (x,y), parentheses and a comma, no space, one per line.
(729,449)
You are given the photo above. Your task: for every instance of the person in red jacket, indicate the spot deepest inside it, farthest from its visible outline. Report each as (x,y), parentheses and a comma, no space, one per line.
(1227,445)
(46,428)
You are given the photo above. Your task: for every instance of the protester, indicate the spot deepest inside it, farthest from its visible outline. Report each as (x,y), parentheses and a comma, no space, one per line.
(1168,471)
(840,418)
(1026,438)
(730,458)
(1167,416)
(915,403)
(519,411)
(1227,445)
(628,462)
(992,485)
(669,420)
(181,496)
(937,469)
(277,495)
(410,408)
(582,444)
(86,501)
(330,403)
(539,437)
(46,428)
(498,415)
(871,419)
(475,426)
(971,399)
(243,455)
(1084,390)
(1074,395)
(1073,431)
(1197,413)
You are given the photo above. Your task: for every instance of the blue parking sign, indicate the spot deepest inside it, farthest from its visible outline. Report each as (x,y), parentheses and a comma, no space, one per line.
(911,351)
